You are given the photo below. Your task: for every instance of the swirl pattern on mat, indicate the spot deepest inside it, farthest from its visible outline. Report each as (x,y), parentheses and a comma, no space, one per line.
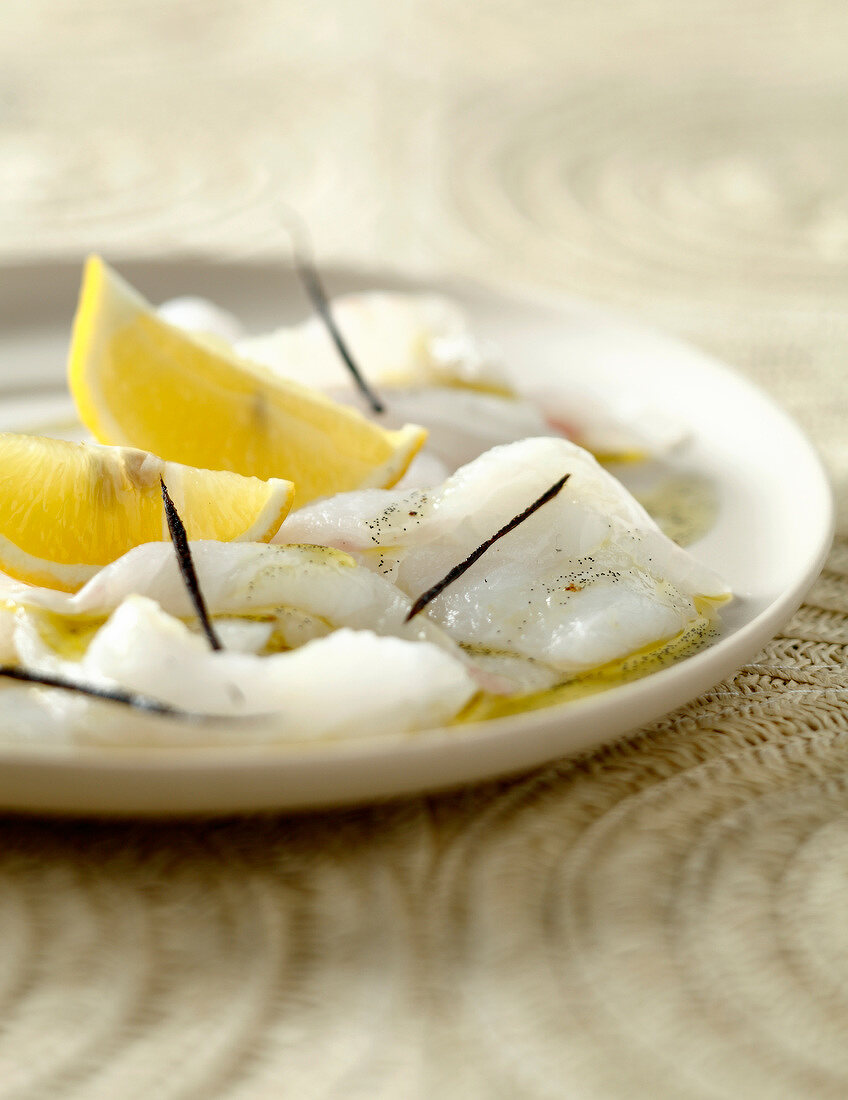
(680,189)
(660,919)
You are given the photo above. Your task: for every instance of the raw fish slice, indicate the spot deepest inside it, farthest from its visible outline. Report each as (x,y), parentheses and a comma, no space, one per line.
(201,316)
(351,683)
(415,346)
(424,471)
(307,591)
(422,345)
(611,430)
(462,424)
(237,579)
(409,338)
(586,580)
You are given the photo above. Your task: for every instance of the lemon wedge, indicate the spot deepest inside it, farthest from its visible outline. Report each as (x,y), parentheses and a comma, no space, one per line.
(139,381)
(67,509)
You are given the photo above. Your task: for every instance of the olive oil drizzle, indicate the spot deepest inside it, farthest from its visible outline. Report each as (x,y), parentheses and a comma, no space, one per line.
(684,507)
(633,667)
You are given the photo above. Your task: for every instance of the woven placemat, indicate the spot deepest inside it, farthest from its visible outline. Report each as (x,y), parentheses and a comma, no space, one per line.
(663,919)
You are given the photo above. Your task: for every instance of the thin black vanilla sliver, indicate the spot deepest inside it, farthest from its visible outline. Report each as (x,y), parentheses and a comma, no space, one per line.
(475,555)
(177,531)
(313,286)
(112,695)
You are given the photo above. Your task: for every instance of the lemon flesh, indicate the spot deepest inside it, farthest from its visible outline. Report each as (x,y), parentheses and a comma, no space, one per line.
(68,509)
(139,381)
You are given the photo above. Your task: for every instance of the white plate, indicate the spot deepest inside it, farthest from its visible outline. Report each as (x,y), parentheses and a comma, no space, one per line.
(770,539)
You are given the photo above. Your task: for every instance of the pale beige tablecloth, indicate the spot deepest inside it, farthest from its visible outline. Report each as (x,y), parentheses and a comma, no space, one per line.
(666,919)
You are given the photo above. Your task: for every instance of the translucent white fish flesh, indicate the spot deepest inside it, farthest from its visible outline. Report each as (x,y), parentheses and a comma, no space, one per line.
(586,580)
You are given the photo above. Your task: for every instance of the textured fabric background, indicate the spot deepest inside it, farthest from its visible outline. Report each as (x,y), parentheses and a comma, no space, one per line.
(664,919)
